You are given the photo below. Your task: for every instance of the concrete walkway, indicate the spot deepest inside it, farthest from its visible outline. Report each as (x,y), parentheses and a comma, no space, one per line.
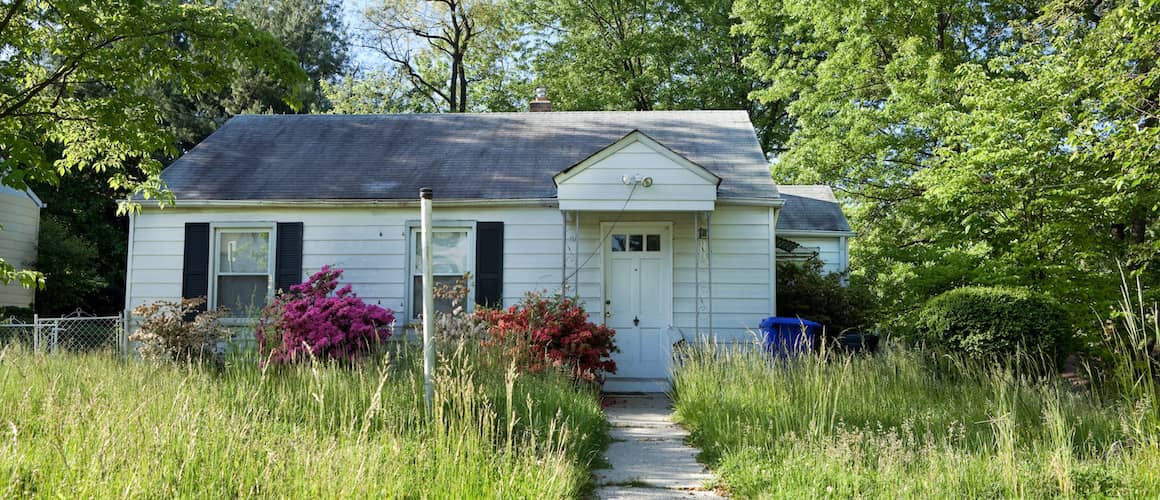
(648,453)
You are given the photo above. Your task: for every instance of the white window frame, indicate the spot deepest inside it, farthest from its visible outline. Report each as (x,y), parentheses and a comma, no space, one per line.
(216,229)
(413,228)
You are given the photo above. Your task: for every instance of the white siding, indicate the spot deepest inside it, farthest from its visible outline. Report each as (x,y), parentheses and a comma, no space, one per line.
(20,217)
(740,261)
(831,250)
(370,244)
(600,186)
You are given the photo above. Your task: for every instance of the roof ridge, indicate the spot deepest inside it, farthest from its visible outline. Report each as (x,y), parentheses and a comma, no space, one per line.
(489,113)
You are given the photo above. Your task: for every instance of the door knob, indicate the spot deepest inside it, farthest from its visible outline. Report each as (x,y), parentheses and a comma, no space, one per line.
(635,321)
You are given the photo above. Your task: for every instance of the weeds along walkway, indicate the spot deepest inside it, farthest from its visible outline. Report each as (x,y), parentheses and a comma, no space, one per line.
(648,454)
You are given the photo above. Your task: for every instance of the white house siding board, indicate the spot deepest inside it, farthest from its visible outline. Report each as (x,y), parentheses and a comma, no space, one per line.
(20,216)
(829,249)
(600,186)
(370,244)
(376,265)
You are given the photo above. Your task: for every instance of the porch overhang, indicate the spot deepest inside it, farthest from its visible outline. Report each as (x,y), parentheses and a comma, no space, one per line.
(637,174)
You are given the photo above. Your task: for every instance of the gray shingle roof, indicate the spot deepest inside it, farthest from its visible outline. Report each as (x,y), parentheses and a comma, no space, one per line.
(460,156)
(810,208)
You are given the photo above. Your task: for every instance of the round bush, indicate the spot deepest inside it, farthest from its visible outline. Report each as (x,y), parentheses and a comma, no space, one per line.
(985,321)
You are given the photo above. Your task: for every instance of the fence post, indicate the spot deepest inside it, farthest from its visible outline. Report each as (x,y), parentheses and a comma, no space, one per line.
(126,317)
(55,335)
(36,333)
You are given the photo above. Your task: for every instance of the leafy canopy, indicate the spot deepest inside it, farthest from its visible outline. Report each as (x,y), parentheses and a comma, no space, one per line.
(76,86)
(989,143)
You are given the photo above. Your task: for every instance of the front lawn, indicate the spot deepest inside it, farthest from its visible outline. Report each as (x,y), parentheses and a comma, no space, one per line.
(912,424)
(89,426)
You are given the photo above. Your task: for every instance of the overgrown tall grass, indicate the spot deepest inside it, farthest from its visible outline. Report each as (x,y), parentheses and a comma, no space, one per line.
(89,426)
(916,424)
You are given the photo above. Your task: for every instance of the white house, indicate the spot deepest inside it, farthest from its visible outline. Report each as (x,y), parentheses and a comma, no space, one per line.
(812,225)
(20,221)
(664,223)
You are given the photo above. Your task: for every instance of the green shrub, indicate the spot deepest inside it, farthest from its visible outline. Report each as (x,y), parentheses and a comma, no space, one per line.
(984,321)
(805,291)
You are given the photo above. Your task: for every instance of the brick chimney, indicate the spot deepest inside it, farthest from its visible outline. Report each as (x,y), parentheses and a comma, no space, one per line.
(540,103)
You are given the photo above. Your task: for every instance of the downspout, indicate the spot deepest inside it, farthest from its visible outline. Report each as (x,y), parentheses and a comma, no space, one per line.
(564,252)
(844,247)
(709,251)
(774,213)
(576,254)
(697,274)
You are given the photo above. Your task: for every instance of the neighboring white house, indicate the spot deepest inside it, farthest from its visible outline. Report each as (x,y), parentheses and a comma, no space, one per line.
(20,218)
(662,222)
(812,225)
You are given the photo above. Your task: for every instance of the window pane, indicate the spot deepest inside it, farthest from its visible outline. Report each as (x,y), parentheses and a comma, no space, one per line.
(242,295)
(652,242)
(441,305)
(635,243)
(449,252)
(618,243)
(244,252)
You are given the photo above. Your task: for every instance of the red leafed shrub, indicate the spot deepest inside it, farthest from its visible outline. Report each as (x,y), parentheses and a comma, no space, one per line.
(316,318)
(545,332)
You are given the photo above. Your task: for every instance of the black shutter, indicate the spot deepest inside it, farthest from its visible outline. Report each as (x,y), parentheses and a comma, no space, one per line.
(489,264)
(288,256)
(195,269)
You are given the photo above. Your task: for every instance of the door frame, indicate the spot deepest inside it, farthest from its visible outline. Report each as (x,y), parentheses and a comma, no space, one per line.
(606,229)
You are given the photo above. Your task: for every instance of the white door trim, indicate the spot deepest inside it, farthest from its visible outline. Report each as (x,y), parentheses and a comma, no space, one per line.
(657,378)
(606,229)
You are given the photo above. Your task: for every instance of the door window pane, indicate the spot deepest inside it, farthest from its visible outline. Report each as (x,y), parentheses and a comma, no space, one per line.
(244,252)
(618,243)
(242,295)
(652,242)
(635,243)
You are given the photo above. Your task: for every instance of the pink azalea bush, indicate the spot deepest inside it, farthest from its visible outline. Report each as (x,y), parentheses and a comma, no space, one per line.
(317,319)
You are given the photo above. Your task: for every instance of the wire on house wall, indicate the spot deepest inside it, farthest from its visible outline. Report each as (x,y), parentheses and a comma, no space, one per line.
(599,244)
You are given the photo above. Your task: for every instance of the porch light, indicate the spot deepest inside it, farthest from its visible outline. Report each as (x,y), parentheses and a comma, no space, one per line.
(637,179)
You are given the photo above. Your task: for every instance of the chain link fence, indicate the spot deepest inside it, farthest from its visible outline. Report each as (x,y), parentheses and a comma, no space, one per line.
(15,331)
(73,333)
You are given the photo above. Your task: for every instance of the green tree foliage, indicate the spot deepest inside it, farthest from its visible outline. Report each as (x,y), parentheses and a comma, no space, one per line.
(71,262)
(312,30)
(375,91)
(806,291)
(78,80)
(657,54)
(82,214)
(453,53)
(977,143)
(75,84)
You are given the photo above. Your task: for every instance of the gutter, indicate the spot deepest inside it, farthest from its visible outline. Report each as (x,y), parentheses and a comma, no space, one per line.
(524,202)
(529,202)
(753,202)
(814,232)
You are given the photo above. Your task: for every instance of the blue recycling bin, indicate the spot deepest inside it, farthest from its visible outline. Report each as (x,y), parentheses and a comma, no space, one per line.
(785,337)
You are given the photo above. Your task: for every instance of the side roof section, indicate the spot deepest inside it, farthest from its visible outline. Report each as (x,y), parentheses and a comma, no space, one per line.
(810,208)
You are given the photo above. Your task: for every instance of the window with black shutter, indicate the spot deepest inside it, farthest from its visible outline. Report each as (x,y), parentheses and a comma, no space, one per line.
(238,266)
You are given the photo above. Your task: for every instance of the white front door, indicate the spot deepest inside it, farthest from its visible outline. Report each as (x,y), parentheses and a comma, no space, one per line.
(638,298)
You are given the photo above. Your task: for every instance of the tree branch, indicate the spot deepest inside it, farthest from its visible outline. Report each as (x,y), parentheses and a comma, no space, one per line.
(12,10)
